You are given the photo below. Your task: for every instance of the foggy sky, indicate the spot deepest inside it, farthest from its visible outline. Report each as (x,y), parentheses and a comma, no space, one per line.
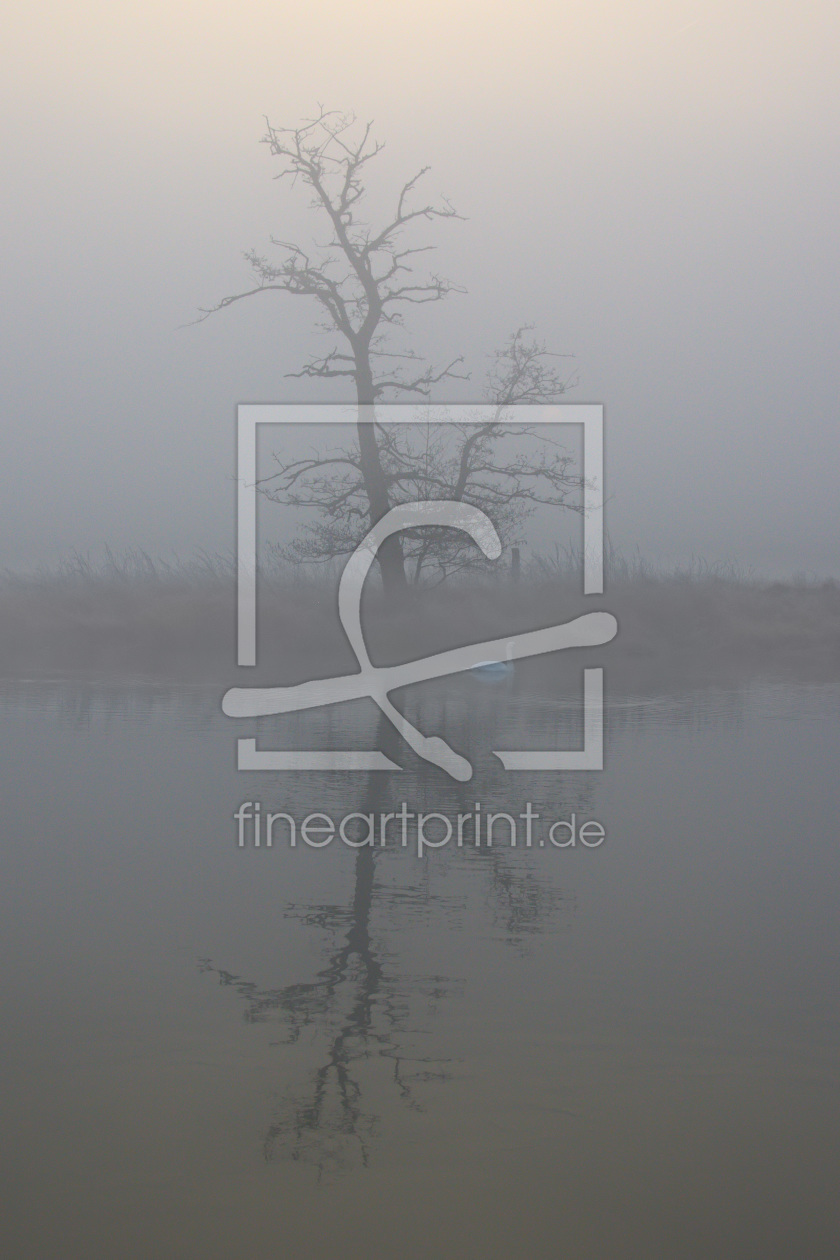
(654,185)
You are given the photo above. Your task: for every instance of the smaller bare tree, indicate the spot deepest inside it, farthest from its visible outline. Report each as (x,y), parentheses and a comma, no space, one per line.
(498,464)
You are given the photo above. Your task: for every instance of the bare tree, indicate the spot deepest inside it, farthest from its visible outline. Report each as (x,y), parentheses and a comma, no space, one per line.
(363,279)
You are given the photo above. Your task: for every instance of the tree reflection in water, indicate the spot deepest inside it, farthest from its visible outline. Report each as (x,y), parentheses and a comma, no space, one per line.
(360,1007)
(361,1010)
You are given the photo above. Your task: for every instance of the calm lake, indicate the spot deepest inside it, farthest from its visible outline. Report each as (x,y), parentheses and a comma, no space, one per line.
(624,1050)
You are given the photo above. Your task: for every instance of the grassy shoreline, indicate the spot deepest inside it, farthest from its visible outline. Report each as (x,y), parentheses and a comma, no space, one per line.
(136,616)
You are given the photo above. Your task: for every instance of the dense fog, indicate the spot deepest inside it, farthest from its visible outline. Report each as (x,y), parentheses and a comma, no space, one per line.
(653,187)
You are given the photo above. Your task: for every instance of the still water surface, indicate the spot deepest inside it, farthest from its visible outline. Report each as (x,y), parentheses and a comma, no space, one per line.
(625,1051)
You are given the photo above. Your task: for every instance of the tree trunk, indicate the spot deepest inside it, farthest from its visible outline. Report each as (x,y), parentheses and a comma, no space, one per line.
(390,555)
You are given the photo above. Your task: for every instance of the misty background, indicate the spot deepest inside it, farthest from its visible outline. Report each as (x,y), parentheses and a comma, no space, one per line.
(653,185)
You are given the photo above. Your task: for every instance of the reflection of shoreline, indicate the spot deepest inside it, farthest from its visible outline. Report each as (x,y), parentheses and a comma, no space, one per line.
(78,700)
